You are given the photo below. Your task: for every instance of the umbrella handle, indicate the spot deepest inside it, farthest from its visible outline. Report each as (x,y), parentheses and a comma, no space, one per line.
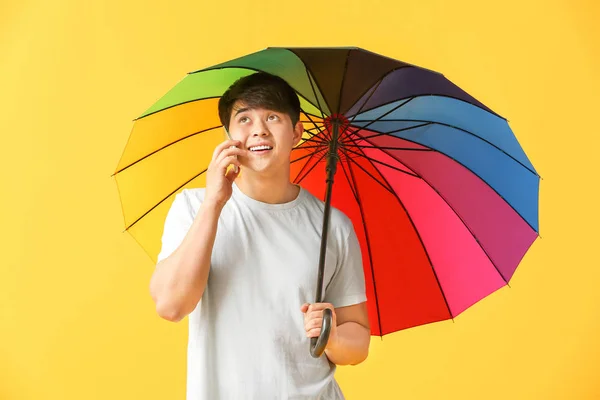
(318,344)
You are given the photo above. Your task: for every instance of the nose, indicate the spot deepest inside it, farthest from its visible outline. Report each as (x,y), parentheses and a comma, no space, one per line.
(260,129)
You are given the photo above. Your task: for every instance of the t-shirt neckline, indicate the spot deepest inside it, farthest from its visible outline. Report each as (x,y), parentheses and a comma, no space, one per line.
(237,192)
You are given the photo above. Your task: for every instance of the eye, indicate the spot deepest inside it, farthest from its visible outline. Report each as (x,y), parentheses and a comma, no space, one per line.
(273,117)
(242,119)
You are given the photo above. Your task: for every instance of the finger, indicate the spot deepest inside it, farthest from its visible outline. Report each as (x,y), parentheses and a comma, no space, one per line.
(233,151)
(320,306)
(314,314)
(230,151)
(313,333)
(222,146)
(304,307)
(226,162)
(313,324)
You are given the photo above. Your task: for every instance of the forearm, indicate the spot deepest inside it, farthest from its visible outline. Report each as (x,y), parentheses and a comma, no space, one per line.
(351,346)
(179,280)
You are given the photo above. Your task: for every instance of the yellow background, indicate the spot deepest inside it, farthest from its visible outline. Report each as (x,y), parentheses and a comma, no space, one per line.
(76,319)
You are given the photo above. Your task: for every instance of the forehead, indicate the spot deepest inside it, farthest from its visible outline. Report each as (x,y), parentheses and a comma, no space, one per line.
(239,107)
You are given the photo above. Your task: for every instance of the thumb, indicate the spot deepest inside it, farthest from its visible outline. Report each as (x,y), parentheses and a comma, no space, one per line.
(304,307)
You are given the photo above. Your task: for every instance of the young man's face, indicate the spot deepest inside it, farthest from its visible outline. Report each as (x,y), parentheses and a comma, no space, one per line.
(268,136)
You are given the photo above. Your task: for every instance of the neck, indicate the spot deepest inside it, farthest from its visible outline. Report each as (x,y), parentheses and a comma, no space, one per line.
(270,190)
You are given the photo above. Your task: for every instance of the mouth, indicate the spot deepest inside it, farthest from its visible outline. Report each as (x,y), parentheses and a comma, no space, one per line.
(262,149)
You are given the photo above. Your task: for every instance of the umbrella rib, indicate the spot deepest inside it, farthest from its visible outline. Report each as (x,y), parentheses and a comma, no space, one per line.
(310,120)
(298,181)
(312,135)
(359,146)
(312,129)
(368,242)
(382,163)
(383,115)
(160,202)
(390,133)
(366,101)
(164,147)
(310,80)
(313,122)
(316,128)
(380,81)
(317,139)
(453,127)
(422,244)
(316,146)
(393,120)
(484,108)
(389,189)
(454,211)
(370,122)
(343,81)
(352,188)
(303,157)
(455,160)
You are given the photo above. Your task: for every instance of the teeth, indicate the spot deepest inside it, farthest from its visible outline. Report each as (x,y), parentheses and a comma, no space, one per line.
(257,148)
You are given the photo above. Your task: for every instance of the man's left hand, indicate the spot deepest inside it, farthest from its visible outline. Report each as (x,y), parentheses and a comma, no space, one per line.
(313,321)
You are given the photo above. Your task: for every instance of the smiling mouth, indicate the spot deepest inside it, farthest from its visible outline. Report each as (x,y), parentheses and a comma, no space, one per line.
(260,149)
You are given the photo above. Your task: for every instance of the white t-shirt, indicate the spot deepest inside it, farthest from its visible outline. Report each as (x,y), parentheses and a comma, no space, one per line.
(246,335)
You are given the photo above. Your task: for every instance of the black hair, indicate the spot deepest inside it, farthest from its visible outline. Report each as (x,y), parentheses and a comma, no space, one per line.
(260,90)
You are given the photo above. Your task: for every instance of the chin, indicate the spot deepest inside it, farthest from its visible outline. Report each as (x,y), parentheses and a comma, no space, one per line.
(267,168)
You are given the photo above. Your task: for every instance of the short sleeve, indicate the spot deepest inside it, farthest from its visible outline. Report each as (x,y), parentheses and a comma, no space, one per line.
(347,286)
(177,223)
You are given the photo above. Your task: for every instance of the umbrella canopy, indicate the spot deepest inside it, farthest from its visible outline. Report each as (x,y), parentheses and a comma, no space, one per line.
(443,198)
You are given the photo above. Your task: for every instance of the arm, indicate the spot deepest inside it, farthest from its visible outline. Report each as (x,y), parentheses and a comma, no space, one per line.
(350,344)
(179,280)
(350,334)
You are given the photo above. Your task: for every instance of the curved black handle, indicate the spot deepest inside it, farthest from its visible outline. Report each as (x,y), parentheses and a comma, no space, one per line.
(318,344)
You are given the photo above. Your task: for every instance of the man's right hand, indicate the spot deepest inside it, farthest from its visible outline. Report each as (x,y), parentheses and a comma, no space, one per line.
(218,179)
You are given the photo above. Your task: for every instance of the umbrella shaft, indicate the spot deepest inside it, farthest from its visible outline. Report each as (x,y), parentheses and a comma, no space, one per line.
(332,160)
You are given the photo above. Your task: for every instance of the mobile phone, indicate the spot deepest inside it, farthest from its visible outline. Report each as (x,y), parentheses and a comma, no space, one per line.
(235,167)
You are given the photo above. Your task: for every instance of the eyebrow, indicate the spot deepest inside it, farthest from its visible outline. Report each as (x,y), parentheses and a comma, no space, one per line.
(241,110)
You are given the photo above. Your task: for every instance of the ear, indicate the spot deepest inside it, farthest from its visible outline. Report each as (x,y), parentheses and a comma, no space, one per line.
(298,131)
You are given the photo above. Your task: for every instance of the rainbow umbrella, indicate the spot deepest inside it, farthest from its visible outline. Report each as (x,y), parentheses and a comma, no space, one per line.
(442,196)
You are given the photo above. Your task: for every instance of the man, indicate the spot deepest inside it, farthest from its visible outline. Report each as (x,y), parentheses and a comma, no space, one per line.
(240,256)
